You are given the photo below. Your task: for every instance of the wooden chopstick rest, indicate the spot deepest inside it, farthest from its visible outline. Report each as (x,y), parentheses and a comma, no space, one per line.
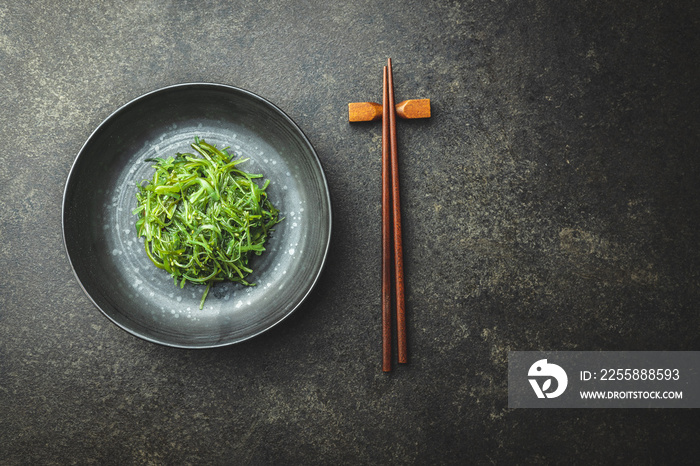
(408,110)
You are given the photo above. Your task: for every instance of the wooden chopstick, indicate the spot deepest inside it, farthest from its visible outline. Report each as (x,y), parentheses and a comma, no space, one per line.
(386,231)
(396,209)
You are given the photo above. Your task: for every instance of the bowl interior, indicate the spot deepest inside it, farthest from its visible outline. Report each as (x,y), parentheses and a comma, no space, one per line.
(108,258)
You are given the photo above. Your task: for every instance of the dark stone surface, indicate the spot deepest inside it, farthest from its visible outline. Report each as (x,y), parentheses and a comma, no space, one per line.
(551,202)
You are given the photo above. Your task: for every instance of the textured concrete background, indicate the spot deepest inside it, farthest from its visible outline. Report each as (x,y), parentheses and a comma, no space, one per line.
(551,202)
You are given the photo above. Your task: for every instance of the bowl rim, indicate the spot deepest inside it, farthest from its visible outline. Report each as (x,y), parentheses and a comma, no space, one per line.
(214,86)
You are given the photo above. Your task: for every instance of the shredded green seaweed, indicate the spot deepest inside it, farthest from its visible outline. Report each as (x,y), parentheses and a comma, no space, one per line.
(202,218)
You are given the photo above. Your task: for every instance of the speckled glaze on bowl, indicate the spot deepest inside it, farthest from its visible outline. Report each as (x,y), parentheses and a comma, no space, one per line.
(109,260)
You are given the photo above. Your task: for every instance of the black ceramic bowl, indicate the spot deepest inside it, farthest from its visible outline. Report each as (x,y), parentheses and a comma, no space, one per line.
(110,261)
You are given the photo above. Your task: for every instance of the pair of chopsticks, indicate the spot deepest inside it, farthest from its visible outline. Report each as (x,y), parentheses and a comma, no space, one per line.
(391,237)
(391,205)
